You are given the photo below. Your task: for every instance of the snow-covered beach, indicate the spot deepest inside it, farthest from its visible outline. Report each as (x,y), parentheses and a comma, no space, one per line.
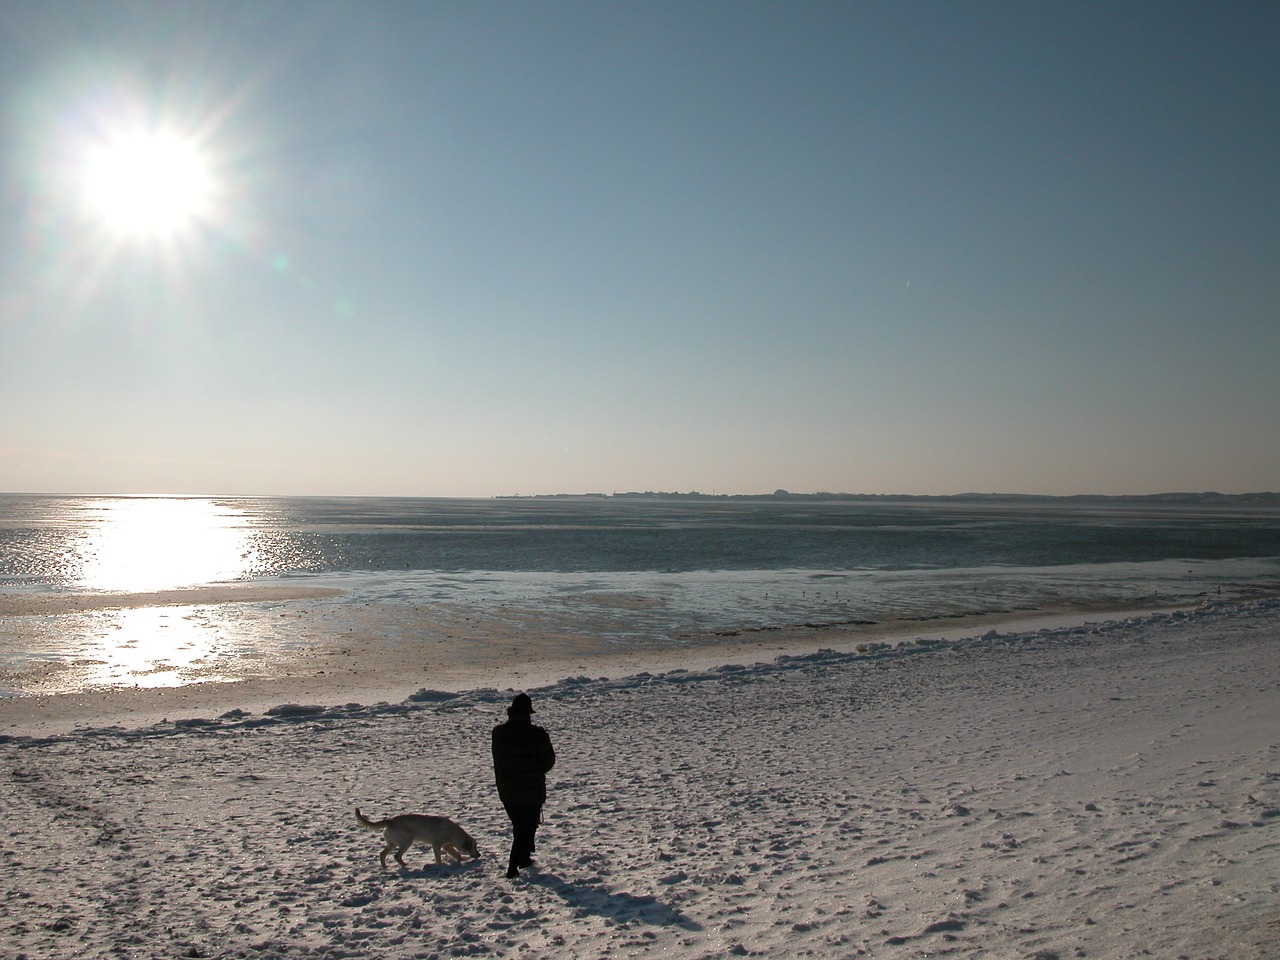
(1109,789)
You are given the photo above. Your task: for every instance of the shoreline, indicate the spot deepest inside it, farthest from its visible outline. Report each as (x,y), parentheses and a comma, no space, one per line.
(36,604)
(367,670)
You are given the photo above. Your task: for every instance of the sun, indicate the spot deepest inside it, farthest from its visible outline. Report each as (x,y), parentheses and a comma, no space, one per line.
(147,184)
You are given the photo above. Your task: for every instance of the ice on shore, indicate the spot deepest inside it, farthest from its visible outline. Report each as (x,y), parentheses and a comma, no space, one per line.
(1104,791)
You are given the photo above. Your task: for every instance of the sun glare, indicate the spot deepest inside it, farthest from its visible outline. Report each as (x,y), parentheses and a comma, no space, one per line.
(147,544)
(148,184)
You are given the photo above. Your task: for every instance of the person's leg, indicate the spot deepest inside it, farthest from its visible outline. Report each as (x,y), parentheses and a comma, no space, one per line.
(512,869)
(534,821)
(524,823)
(532,815)
(513,863)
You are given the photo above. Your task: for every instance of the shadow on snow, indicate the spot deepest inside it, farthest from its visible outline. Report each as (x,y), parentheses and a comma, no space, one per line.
(614,906)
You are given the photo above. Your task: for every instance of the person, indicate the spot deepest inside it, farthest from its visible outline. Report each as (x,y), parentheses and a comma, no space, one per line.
(522,757)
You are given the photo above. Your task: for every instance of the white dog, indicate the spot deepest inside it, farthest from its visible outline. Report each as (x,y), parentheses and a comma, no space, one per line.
(439,833)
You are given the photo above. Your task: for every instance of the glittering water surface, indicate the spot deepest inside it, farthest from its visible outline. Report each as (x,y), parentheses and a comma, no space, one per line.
(625,571)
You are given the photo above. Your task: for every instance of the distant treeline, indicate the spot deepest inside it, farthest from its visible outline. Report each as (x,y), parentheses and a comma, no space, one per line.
(1178,499)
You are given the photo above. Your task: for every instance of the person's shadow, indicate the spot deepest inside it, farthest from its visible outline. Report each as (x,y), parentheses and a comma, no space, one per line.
(614,906)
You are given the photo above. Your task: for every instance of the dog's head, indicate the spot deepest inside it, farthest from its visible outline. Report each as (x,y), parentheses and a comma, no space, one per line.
(469,846)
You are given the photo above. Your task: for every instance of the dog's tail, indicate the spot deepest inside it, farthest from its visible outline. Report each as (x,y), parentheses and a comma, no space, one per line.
(367,823)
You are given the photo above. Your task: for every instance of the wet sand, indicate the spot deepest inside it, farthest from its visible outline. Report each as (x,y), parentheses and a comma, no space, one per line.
(359,660)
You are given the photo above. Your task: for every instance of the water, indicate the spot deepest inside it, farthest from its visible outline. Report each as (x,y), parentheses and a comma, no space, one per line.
(622,571)
(150,543)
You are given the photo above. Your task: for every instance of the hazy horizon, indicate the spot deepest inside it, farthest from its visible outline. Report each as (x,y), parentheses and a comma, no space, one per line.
(474,250)
(641,494)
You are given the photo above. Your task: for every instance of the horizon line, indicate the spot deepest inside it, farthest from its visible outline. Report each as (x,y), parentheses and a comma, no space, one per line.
(779,494)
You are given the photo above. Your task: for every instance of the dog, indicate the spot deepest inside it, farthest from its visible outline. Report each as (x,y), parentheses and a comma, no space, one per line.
(439,833)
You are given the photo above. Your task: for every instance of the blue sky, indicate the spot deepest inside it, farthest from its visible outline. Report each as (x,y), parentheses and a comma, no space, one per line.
(465,249)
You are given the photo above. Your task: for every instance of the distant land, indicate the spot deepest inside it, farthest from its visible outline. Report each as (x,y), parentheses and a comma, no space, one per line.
(1171,499)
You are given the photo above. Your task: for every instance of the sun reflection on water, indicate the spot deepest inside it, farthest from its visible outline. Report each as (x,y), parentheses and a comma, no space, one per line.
(150,647)
(148,544)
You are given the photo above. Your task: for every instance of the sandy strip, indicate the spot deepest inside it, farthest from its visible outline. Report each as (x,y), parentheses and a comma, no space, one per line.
(20,604)
(363,666)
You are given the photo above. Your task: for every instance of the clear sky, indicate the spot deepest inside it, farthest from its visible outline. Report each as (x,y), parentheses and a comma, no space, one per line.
(464,249)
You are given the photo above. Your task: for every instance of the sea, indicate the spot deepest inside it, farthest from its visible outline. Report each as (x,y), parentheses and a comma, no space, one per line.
(111,584)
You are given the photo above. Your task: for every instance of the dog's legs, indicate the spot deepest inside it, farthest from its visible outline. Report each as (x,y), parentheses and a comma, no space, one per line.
(400,854)
(383,856)
(436,848)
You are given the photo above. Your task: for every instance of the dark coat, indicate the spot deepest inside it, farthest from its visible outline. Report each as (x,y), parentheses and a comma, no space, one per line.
(522,755)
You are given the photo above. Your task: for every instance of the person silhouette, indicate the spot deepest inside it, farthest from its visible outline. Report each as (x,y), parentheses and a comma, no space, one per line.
(522,756)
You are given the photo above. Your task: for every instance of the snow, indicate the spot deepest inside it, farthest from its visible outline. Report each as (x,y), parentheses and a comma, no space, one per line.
(1103,790)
